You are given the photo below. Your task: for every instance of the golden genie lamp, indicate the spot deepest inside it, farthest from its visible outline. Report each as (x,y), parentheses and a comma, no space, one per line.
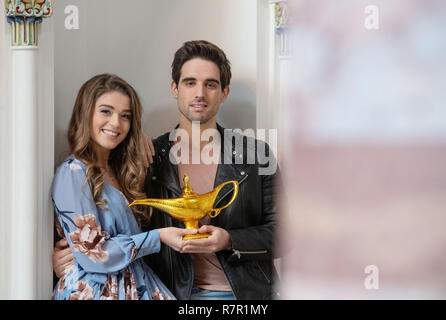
(190,207)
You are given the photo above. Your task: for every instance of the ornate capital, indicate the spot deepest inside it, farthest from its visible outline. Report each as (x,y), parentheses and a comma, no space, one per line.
(29,8)
(280,15)
(24,16)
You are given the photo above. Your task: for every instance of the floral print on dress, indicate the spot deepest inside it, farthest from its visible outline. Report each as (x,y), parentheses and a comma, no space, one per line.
(62,279)
(134,252)
(129,284)
(107,245)
(158,295)
(61,285)
(85,292)
(75,166)
(88,238)
(110,291)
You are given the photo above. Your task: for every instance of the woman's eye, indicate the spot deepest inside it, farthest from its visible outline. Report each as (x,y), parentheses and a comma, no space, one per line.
(127,116)
(105,111)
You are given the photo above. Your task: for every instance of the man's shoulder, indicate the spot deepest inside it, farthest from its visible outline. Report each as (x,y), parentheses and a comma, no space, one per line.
(245,138)
(161,146)
(244,147)
(161,140)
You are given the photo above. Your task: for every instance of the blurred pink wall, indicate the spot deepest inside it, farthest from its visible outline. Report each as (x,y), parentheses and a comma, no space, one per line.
(366,165)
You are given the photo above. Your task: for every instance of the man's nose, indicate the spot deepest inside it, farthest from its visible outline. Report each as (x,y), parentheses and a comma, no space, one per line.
(200,91)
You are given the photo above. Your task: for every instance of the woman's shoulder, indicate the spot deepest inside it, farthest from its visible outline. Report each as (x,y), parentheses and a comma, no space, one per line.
(71,172)
(71,164)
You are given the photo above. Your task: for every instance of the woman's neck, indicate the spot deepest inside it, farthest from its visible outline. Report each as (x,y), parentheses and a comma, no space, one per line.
(102,155)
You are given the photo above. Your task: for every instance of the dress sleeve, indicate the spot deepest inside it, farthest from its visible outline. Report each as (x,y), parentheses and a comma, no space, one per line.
(93,249)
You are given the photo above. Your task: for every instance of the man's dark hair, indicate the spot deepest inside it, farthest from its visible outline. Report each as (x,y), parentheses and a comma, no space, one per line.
(205,50)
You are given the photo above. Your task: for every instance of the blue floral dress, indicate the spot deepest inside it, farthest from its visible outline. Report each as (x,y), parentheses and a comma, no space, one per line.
(107,244)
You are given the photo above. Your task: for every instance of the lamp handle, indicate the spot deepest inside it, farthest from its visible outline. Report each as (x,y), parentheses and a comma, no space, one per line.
(216,211)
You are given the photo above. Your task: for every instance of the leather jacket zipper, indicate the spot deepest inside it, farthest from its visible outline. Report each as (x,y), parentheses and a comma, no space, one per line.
(264,274)
(238,253)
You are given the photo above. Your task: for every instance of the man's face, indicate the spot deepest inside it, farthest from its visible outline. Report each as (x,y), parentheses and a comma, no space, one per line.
(199,93)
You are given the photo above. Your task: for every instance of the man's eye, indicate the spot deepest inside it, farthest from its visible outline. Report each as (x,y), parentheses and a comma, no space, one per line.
(189,83)
(212,85)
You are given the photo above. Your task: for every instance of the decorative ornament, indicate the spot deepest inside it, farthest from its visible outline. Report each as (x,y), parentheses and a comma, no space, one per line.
(24,16)
(280,15)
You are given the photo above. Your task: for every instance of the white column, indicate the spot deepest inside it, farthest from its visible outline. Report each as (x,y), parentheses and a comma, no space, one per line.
(271,48)
(24,174)
(265,64)
(27,154)
(272,67)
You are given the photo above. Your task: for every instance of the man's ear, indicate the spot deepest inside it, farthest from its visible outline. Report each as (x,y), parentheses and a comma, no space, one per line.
(174,89)
(226,93)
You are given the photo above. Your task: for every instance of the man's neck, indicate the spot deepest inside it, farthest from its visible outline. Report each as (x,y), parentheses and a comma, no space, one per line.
(189,127)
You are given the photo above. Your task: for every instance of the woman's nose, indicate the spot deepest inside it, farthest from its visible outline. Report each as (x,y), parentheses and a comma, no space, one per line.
(115,121)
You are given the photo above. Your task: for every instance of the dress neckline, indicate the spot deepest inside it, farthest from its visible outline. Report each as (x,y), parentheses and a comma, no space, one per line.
(119,191)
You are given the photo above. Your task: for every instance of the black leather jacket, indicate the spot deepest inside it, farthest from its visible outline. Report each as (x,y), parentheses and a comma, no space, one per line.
(250,221)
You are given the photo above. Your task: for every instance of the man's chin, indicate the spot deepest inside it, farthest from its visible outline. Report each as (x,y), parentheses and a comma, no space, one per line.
(200,118)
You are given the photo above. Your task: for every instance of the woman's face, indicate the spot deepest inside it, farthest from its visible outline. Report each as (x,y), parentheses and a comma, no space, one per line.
(111,120)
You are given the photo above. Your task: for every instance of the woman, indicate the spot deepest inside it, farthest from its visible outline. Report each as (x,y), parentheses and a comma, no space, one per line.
(91,192)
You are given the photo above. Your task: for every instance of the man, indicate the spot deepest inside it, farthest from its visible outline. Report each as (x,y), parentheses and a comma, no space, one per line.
(236,260)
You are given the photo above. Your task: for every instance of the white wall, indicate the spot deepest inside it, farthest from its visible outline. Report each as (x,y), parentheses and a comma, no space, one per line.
(138,42)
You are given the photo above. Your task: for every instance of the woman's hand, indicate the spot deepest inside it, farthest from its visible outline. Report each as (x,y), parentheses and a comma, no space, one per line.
(173,237)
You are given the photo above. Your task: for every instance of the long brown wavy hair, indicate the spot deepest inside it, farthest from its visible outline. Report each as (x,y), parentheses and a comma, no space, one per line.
(128,160)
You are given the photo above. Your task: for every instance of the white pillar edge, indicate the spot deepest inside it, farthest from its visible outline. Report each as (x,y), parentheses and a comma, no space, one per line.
(266,95)
(5,56)
(45,102)
(265,64)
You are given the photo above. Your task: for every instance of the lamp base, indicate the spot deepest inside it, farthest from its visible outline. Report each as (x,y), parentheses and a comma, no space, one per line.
(196,236)
(193,224)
